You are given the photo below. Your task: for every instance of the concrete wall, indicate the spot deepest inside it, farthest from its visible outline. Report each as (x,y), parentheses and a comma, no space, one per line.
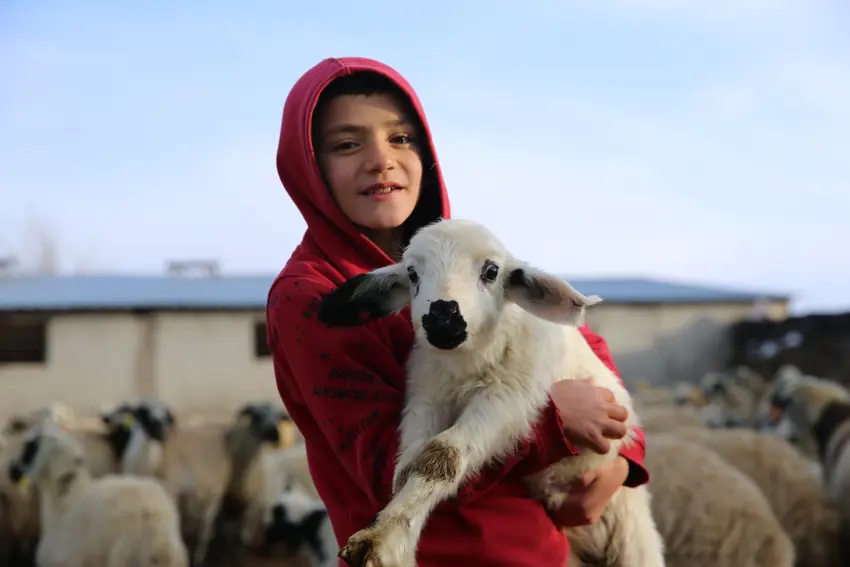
(207,361)
(196,361)
(664,343)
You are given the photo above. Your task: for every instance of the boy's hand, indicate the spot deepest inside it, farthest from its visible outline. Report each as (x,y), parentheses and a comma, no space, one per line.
(589,414)
(589,496)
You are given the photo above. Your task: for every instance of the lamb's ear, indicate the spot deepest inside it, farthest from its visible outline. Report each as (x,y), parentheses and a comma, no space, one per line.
(365,297)
(547,296)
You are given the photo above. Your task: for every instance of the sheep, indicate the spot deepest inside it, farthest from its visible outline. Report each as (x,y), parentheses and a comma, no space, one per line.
(820,409)
(210,470)
(770,419)
(681,394)
(19,514)
(19,521)
(299,522)
(191,463)
(493,335)
(784,477)
(708,512)
(665,418)
(733,397)
(112,521)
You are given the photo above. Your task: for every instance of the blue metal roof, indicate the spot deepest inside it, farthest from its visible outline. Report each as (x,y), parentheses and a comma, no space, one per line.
(118,292)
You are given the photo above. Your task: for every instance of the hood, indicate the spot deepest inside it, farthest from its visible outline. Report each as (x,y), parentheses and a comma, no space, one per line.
(327,227)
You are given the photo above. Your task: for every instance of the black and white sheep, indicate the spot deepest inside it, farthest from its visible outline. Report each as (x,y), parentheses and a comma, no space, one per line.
(211,470)
(297,521)
(493,335)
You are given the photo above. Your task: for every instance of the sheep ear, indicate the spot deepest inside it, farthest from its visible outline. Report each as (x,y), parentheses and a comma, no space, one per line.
(547,296)
(366,297)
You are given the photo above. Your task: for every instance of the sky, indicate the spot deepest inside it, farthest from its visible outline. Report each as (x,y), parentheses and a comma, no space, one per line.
(697,141)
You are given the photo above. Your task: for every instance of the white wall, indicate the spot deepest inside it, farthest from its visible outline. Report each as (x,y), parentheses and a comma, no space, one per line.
(196,361)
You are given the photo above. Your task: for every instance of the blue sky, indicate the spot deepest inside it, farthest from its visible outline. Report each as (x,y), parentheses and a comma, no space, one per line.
(704,141)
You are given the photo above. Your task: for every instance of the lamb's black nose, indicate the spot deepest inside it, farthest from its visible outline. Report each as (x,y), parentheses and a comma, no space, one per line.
(441,309)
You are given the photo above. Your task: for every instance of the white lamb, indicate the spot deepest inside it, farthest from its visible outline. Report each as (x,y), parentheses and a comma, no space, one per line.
(493,335)
(113,521)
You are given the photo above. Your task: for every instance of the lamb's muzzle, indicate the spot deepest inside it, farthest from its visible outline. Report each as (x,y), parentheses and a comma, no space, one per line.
(444,325)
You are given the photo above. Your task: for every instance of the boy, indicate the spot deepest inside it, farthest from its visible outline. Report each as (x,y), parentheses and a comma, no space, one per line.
(356,157)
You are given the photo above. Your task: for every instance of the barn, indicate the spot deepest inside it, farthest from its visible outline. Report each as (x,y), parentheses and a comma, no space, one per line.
(199,341)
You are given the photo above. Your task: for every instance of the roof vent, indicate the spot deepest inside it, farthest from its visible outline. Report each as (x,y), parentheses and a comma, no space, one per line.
(200,268)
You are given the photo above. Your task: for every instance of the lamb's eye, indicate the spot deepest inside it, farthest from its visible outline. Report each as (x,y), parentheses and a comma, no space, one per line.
(489,272)
(411,273)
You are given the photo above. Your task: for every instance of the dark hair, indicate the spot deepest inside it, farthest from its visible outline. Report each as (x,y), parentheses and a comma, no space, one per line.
(368,83)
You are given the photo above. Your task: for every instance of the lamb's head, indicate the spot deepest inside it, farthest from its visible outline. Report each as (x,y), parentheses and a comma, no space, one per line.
(458,279)
(48,453)
(801,398)
(257,424)
(155,418)
(293,520)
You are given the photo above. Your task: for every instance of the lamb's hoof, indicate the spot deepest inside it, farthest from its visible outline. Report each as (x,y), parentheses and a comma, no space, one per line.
(360,550)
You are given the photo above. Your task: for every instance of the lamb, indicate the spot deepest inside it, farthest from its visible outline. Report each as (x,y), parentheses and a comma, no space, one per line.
(680,394)
(733,397)
(191,464)
(112,521)
(19,513)
(770,418)
(784,477)
(666,418)
(820,409)
(210,470)
(297,520)
(708,512)
(493,335)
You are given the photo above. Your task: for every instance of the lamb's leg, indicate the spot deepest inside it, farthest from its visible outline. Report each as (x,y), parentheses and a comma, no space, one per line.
(487,427)
(421,421)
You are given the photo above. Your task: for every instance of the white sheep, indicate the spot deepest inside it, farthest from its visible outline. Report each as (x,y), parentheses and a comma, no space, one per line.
(784,477)
(820,410)
(493,335)
(710,513)
(113,521)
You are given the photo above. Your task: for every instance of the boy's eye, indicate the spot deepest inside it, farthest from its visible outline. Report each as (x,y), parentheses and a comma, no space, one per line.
(402,139)
(343,146)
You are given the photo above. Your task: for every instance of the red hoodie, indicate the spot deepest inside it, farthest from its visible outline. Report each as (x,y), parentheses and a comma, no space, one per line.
(344,388)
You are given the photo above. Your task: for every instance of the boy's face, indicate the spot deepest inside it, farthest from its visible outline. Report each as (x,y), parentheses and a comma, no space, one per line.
(369,155)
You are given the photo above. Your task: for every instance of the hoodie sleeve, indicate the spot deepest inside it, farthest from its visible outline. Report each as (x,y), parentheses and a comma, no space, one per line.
(634,454)
(346,380)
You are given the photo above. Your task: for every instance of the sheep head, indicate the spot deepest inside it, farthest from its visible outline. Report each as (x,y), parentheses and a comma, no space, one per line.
(801,398)
(47,453)
(457,279)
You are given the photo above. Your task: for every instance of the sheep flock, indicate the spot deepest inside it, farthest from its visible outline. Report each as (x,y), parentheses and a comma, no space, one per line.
(745,471)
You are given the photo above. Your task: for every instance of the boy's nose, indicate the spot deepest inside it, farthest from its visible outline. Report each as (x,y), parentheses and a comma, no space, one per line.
(380,158)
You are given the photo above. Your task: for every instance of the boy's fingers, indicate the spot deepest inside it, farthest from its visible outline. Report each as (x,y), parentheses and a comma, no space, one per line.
(618,412)
(615,430)
(606,394)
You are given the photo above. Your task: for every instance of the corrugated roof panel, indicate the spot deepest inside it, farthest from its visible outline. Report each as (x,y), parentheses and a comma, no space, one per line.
(115,292)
